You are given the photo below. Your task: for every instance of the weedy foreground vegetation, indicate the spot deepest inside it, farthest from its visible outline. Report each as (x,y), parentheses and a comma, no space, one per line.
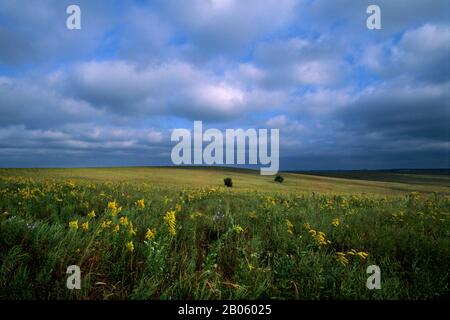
(139,240)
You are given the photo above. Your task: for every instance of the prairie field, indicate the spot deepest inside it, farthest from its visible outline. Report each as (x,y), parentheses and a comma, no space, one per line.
(179,233)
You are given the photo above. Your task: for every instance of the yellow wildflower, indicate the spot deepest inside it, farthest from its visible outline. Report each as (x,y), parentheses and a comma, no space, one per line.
(237,228)
(73,224)
(106,224)
(91,214)
(320,237)
(85,226)
(363,255)
(150,234)
(340,257)
(116,228)
(133,230)
(113,207)
(171,221)
(130,246)
(290,227)
(140,203)
(336,222)
(123,221)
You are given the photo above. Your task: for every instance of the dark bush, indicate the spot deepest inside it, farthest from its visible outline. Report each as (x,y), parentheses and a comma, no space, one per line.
(228,182)
(279,178)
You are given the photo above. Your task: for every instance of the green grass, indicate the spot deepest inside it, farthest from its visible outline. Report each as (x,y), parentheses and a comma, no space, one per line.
(252,241)
(245,180)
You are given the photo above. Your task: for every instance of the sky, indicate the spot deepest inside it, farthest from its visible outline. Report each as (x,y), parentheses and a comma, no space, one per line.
(110,94)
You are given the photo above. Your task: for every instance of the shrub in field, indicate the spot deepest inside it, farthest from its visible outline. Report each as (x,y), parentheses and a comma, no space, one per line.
(279,178)
(228,182)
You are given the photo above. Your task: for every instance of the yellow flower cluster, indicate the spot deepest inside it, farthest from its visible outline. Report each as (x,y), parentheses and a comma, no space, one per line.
(112,206)
(140,203)
(91,215)
(130,246)
(363,255)
(150,234)
(85,226)
(237,228)
(70,184)
(171,220)
(398,217)
(133,230)
(336,222)
(269,202)
(342,257)
(320,237)
(290,227)
(196,194)
(106,224)
(123,221)
(73,224)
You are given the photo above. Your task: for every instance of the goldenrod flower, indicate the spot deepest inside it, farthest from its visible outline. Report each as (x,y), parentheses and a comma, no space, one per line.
(289,224)
(130,246)
(113,207)
(237,228)
(140,203)
(307,226)
(171,221)
(116,228)
(123,221)
(85,226)
(150,234)
(133,230)
(290,227)
(105,224)
(73,224)
(320,237)
(91,214)
(340,257)
(336,222)
(363,255)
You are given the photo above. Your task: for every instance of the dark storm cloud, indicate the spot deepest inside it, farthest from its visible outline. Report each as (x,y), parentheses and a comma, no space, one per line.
(25,103)
(401,113)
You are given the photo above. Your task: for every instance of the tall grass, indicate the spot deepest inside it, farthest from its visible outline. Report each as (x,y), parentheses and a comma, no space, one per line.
(215,243)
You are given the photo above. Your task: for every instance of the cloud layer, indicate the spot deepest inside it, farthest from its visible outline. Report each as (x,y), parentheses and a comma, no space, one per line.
(342,96)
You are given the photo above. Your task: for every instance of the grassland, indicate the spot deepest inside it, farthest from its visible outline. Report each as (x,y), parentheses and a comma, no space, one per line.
(172,233)
(376,183)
